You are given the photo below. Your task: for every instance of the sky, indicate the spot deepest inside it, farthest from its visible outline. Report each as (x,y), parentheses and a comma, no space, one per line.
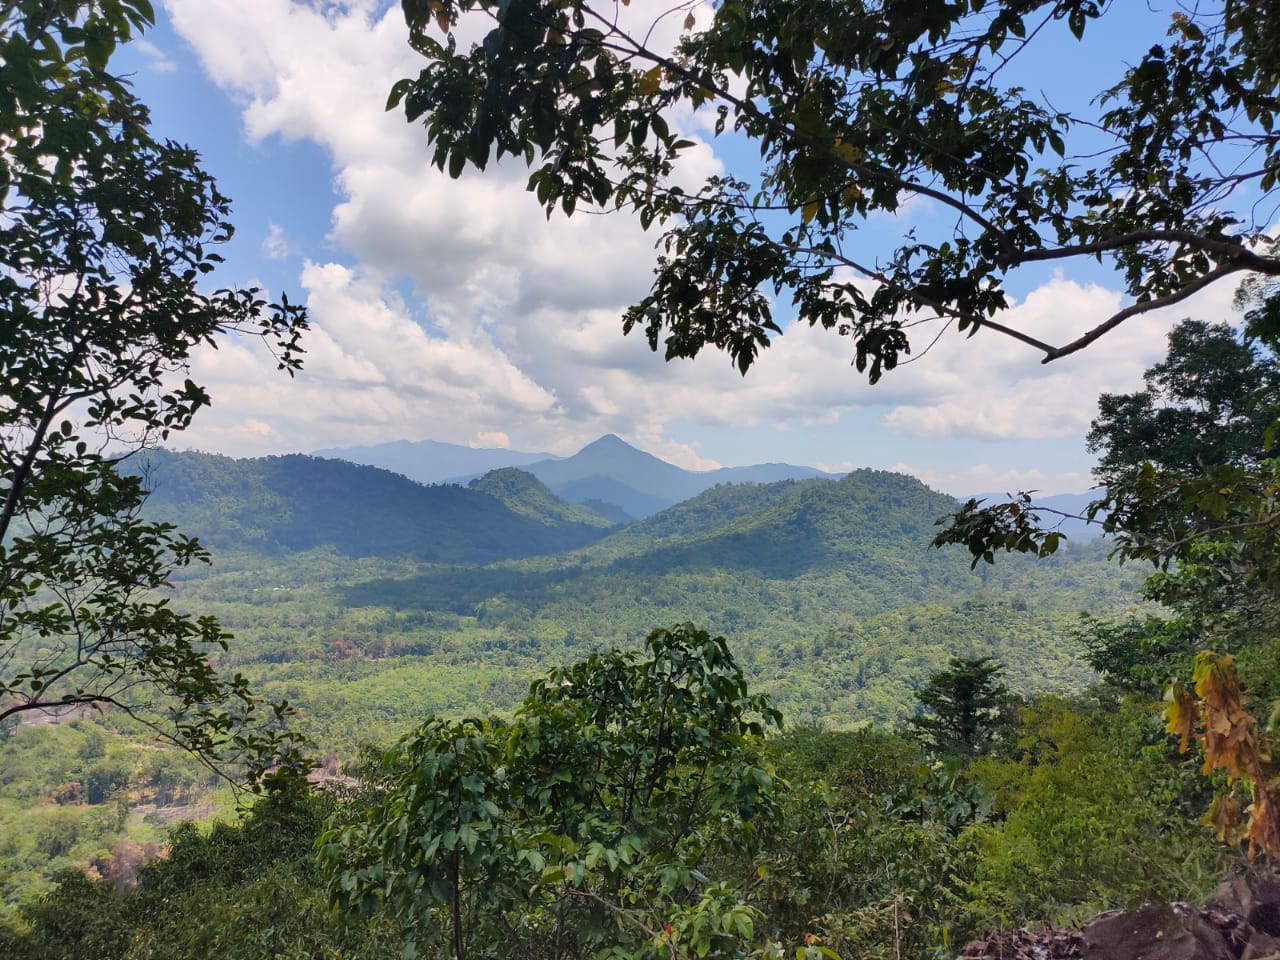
(456,311)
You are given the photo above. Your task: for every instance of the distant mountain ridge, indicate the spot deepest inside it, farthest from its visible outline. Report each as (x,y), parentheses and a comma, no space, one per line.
(608,470)
(293,503)
(430,461)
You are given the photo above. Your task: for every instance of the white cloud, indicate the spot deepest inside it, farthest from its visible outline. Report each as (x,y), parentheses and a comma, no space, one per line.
(275,245)
(986,478)
(992,387)
(158,60)
(511,324)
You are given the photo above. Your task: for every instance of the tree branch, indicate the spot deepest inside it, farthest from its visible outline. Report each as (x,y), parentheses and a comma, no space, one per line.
(1233,251)
(1145,306)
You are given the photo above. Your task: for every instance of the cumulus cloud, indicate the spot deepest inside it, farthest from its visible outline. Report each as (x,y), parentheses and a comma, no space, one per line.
(508,329)
(157,59)
(992,387)
(275,245)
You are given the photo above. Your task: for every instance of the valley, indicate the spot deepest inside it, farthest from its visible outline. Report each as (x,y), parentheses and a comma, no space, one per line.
(828,590)
(370,602)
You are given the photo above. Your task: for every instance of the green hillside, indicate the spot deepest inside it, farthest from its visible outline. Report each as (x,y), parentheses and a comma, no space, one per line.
(281,505)
(828,590)
(527,496)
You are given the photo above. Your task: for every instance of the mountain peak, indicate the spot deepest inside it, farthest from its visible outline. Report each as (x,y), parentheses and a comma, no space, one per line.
(610,441)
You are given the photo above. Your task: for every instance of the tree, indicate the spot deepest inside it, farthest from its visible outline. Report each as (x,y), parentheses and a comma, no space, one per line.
(857,108)
(1186,473)
(966,708)
(107,237)
(1209,403)
(587,825)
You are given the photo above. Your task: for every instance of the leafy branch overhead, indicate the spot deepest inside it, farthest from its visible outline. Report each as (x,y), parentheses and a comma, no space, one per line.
(858,109)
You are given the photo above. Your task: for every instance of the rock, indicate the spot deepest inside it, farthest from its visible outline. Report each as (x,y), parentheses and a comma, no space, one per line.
(1256,899)
(1154,932)
(1261,945)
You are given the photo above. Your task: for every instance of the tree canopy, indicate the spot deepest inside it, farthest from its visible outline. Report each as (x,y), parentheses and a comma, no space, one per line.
(858,109)
(107,236)
(1208,403)
(965,708)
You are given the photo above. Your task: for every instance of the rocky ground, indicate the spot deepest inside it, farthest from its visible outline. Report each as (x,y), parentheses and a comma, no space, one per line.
(1241,921)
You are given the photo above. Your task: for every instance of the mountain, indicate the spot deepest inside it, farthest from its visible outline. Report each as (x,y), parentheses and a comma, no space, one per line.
(428,461)
(294,503)
(829,590)
(614,472)
(857,546)
(526,495)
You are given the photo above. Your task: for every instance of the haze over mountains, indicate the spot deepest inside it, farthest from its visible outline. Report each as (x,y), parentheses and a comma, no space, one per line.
(608,473)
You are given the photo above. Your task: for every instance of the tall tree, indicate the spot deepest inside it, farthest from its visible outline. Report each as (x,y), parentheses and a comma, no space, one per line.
(1186,474)
(1208,403)
(856,109)
(107,236)
(965,708)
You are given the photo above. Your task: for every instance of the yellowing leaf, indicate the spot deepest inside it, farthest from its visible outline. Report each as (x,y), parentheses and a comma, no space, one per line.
(650,81)
(1264,821)
(1218,723)
(809,211)
(1224,817)
(1181,713)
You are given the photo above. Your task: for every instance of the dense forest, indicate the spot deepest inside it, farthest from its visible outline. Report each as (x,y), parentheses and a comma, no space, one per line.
(836,607)
(303,708)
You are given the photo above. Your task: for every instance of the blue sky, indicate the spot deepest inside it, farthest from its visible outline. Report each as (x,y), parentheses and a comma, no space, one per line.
(454,311)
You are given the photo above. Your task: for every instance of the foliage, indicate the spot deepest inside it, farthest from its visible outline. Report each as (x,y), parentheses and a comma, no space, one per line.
(1209,402)
(966,709)
(106,238)
(242,891)
(865,849)
(1189,486)
(1095,811)
(1231,739)
(857,109)
(583,824)
(1139,654)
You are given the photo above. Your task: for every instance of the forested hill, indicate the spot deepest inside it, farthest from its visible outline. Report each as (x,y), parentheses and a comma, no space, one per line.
(526,495)
(786,529)
(818,582)
(293,503)
(785,556)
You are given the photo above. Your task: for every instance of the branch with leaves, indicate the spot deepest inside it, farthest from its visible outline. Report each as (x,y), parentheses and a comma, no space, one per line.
(857,110)
(1213,713)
